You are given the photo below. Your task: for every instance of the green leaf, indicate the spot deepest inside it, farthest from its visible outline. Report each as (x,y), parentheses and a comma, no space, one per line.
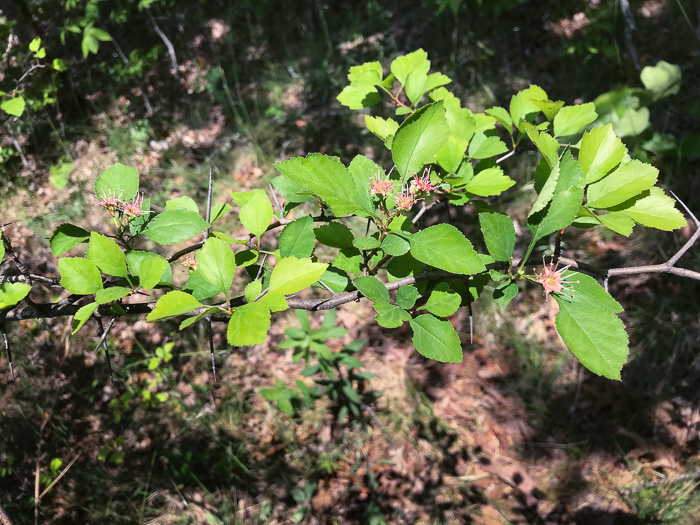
(419,138)
(248,325)
(627,181)
(600,152)
(274,301)
(663,79)
(522,107)
(123,181)
(588,324)
(79,276)
(547,191)
(361,92)
(617,221)
(395,245)
(151,271)
(392,317)
(82,315)
(191,320)
(12,293)
(505,292)
(173,226)
(246,258)
(436,339)
(13,106)
(219,210)
(443,246)
(566,201)
(291,275)
(572,119)
(484,147)
(499,234)
(183,202)
(366,243)
(656,210)
(200,287)
(372,288)
(298,238)
(291,191)
(452,153)
(173,304)
(419,84)
(252,291)
(490,181)
(548,145)
(406,296)
(113,293)
(416,63)
(107,255)
(335,235)
(385,129)
(65,237)
(256,212)
(217,263)
(328,179)
(502,116)
(443,303)
(35,44)
(135,258)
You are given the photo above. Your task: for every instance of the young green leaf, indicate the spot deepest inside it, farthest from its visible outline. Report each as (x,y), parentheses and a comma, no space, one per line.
(565,203)
(119,180)
(419,138)
(499,234)
(217,263)
(443,246)
(256,210)
(361,92)
(248,325)
(107,255)
(252,290)
(484,147)
(113,293)
(600,152)
(13,293)
(173,304)
(662,80)
(183,202)
(291,275)
(572,119)
(13,106)
(617,221)
(385,129)
(627,181)
(656,210)
(173,226)
(392,316)
(505,292)
(151,271)
(490,181)
(436,339)
(82,315)
(79,276)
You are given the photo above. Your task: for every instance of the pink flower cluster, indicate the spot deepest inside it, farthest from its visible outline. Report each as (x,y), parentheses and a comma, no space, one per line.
(381,184)
(115,204)
(552,279)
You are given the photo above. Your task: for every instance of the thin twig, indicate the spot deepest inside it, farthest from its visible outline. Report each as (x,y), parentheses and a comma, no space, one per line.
(103,341)
(504,157)
(210,334)
(166,41)
(6,340)
(277,202)
(27,73)
(63,472)
(208,230)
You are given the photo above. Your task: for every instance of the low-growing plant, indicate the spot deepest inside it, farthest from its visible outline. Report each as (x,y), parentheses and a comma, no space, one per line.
(420,276)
